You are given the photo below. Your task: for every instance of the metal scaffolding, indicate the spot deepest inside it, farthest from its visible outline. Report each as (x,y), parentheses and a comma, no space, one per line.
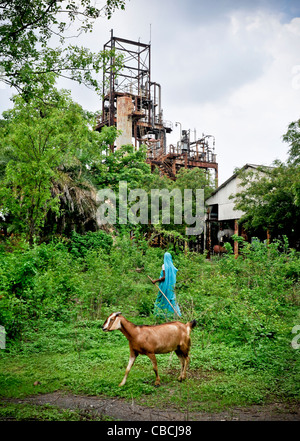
(132,92)
(131,101)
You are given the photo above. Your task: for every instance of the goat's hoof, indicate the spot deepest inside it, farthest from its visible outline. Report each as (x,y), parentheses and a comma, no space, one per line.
(157,385)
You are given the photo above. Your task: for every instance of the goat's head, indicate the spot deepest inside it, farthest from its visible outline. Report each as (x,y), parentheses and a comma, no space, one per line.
(112,322)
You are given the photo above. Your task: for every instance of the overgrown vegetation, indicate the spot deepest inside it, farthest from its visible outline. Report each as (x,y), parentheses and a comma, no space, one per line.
(55,297)
(270,196)
(61,274)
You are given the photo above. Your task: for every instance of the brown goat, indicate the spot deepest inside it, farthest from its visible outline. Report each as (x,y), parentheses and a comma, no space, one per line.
(151,340)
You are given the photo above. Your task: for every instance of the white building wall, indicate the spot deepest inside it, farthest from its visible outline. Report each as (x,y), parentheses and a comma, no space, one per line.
(226,205)
(230,187)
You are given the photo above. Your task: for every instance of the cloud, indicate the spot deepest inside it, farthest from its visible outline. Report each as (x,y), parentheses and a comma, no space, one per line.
(227,68)
(213,65)
(250,99)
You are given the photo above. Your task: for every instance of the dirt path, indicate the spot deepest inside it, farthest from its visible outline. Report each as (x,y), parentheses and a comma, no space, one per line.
(121,410)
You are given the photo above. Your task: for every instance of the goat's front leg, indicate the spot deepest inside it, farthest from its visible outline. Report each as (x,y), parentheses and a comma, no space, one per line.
(154,363)
(132,358)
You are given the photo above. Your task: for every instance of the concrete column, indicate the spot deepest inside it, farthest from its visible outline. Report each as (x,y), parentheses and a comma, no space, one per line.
(124,120)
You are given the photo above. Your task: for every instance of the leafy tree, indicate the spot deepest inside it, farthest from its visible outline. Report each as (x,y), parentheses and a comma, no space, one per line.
(46,148)
(30,31)
(292,137)
(192,179)
(195,178)
(270,198)
(124,164)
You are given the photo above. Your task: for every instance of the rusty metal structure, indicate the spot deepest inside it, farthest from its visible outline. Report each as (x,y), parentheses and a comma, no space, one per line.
(189,154)
(131,101)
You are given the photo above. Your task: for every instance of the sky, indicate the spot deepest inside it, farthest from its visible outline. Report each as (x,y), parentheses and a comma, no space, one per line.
(227,68)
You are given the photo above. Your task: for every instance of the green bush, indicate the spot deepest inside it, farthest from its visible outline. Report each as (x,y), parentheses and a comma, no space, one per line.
(80,244)
(248,304)
(35,282)
(53,303)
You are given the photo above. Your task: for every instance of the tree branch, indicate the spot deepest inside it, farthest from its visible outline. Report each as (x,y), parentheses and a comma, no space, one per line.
(37,20)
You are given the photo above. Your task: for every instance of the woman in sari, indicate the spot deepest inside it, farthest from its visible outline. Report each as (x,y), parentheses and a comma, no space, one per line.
(167,283)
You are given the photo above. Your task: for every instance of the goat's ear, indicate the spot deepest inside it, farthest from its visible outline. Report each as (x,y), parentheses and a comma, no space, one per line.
(118,313)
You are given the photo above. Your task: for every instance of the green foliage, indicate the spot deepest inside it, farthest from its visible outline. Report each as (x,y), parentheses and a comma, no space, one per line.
(53,302)
(125,164)
(269,199)
(129,165)
(52,163)
(47,148)
(270,196)
(28,29)
(292,137)
(194,179)
(241,349)
(80,244)
(35,283)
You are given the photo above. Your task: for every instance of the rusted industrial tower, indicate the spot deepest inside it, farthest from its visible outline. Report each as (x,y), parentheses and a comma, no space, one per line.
(132,102)
(199,153)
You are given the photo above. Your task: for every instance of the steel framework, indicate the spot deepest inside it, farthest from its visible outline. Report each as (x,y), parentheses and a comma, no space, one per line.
(131,101)
(134,82)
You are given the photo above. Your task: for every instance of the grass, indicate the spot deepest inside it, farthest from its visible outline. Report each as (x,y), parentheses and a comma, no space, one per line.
(88,361)
(29,412)
(241,350)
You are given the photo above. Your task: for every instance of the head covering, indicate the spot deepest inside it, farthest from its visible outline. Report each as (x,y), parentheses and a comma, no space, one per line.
(167,287)
(170,271)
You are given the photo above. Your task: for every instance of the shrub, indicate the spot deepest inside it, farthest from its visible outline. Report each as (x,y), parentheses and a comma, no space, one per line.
(81,243)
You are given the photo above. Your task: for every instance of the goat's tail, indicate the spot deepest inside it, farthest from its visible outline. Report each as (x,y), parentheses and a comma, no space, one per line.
(192,324)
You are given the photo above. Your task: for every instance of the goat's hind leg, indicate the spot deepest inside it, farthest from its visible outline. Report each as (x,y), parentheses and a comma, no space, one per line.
(184,368)
(132,358)
(184,361)
(154,364)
